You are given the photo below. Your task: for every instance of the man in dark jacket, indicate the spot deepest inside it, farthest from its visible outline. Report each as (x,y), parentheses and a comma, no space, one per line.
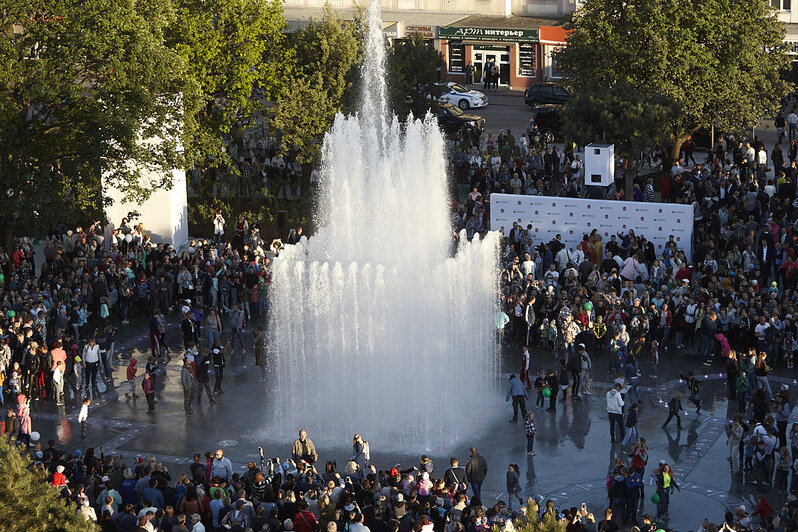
(476,471)
(674,407)
(456,475)
(708,332)
(203,364)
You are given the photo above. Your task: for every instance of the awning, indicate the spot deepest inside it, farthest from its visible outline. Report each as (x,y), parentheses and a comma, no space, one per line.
(553,35)
(496,29)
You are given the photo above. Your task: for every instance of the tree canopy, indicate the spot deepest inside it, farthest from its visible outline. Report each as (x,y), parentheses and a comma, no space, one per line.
(719,60)
(82,84)
(327,57)
(29,502)
(235,52)
(413,66)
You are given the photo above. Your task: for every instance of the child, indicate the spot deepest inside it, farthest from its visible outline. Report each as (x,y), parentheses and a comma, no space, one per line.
(748,456)
(13,383)
(783,469)
(631,426)
(514,485)
(654,358)
(58,382)
(548,333)
(83,416)
(149,392)
(151,368)
(540,383)
(131,378)
(531,430)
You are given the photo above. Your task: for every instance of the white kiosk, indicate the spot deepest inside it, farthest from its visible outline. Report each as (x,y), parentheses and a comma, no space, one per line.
(599,165)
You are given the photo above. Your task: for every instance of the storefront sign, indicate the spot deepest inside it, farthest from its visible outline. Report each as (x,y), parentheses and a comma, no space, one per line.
(427,31)
(526,59)
(469,33)
(456,58)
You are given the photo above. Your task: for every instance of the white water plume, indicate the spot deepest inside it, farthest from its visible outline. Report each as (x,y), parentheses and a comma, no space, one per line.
(374,327)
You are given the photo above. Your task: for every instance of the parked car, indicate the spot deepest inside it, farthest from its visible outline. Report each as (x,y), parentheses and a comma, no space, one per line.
(456,94)
(548,119)
(545,93)
(451,120)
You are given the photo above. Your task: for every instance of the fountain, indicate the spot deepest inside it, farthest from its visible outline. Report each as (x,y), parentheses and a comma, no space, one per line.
(374,327)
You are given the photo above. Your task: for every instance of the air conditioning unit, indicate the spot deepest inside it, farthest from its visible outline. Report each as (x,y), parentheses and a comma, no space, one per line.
(599,164)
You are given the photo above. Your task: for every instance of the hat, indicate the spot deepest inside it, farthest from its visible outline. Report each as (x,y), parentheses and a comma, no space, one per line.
(349,507)
(686,280)
(185,309)
(78,453)
(399,497)
(59,469)
(288,524)
(774,284)
(580,346)
(661,461)
(106,479)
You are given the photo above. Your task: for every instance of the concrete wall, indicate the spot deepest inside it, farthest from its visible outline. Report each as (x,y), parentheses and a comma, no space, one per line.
(164,214)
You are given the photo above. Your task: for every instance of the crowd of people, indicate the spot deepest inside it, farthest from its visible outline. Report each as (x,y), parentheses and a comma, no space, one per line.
(619,306)
(616,306)
(61,312)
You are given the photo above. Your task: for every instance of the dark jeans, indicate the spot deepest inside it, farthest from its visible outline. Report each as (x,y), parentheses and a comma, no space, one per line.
(673,414)
(616,419)
(150,401)
(188,396)
(695,400)
(476,488)
(519,400)
(530,443)
(219,372)
(91,375)
(576,378)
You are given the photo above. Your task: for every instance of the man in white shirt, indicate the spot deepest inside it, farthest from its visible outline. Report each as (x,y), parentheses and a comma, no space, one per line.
(749,153)
(760,331)
(792,119)
(562,259)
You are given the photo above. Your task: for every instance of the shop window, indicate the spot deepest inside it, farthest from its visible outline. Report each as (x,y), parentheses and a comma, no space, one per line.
(527,59)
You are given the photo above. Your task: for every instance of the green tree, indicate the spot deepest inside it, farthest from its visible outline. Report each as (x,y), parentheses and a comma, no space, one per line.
(327,55)
(29,502)
(235,51)
(718,59)
(622,116)
(413,66)
(82,84)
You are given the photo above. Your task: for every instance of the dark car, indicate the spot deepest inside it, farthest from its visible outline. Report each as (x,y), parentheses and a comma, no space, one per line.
(545,93)
(548,119)
(451,119)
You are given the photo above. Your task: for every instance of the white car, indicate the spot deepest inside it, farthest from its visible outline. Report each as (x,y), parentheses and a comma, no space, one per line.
(456,94)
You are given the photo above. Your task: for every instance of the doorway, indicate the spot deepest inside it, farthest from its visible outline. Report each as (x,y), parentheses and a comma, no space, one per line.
(483,55)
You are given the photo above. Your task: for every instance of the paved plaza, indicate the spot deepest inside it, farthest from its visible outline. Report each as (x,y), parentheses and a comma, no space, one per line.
(573,445)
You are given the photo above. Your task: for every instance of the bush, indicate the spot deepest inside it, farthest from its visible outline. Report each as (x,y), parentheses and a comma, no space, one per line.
(29,501)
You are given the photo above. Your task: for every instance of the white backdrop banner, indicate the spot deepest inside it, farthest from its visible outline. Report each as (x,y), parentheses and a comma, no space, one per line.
(572,218)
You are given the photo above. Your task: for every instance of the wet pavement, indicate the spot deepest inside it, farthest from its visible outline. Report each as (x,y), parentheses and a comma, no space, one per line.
(573,445)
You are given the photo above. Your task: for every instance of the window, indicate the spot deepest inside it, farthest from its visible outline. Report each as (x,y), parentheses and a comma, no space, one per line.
(555,66)
(782,5)
(527,59)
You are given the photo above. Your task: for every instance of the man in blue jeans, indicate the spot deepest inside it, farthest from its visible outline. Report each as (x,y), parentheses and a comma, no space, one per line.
(476,471)
(615,411)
